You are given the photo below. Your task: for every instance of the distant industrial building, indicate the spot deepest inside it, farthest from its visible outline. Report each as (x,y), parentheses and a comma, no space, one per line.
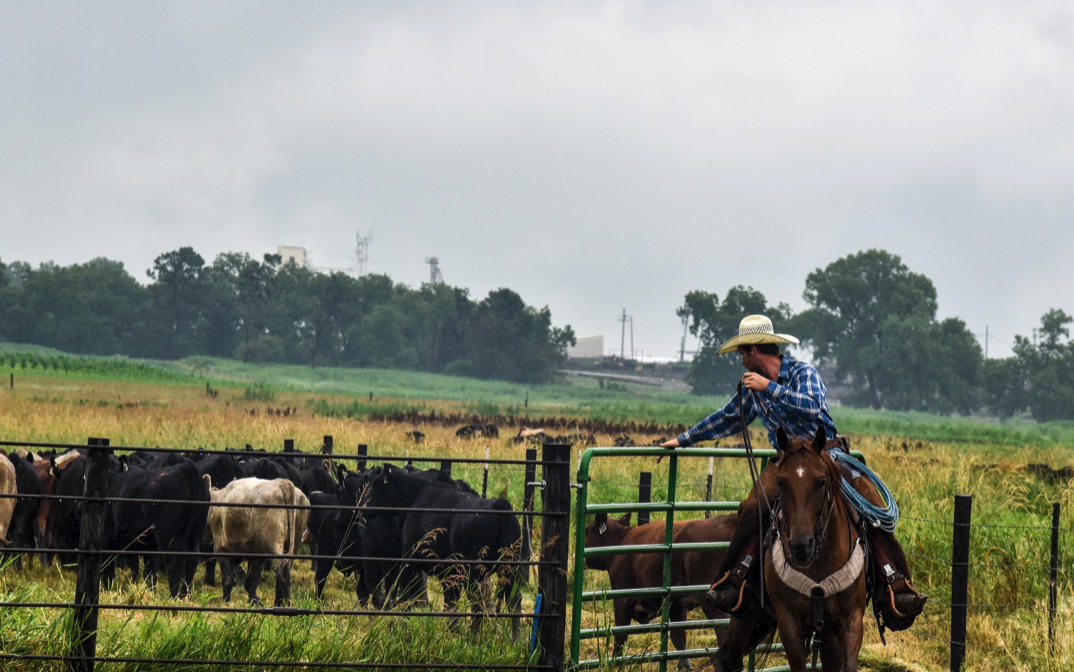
(292,254)
(587,347)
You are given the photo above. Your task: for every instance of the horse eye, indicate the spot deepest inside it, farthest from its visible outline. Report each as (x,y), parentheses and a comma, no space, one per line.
(782,483)
(821,482)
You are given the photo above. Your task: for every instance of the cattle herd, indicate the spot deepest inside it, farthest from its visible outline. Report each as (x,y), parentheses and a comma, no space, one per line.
(177,510)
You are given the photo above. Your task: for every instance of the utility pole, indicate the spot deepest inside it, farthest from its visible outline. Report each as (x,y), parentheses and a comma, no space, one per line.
(682,349)
(622,336)
(632,357)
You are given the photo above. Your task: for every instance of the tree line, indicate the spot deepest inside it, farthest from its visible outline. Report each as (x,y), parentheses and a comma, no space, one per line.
(266,311)
(871,326)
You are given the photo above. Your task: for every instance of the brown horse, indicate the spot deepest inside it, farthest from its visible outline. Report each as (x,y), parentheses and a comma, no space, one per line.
(814,570)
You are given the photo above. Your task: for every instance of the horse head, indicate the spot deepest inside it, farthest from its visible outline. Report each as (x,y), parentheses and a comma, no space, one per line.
(808,480)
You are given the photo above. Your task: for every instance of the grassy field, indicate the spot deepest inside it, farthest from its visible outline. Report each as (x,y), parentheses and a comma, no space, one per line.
(925,459)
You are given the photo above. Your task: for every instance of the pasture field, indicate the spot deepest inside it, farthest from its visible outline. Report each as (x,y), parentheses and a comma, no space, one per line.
(924,468)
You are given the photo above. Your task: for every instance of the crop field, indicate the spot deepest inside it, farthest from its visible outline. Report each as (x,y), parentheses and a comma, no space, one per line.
(925,460)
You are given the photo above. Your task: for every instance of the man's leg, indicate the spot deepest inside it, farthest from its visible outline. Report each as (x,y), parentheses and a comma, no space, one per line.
(742,560)
(901,603)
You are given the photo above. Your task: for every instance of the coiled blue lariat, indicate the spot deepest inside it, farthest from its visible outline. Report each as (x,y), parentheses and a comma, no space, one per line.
(885,518)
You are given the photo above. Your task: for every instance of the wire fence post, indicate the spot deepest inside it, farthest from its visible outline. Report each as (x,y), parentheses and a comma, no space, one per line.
(555,542)
(91,538)
(445,468)
(363,451)
(326,446)
(645,495)
(1053,576)
(960,575)
(527,503)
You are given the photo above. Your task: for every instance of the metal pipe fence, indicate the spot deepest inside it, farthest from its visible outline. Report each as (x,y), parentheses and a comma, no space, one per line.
(93,556)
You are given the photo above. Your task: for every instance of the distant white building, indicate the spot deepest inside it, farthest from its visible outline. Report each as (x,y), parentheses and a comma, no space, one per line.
(587,347)
(292,254)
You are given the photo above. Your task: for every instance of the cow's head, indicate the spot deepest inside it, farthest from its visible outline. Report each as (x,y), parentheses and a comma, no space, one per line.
(604,531)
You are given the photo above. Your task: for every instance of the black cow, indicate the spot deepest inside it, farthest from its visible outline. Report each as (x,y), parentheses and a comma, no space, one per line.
(63,528)
(322,539)
(270,469)
(222,469)
(318,479)
(447,534)
(21,530)
(175,528)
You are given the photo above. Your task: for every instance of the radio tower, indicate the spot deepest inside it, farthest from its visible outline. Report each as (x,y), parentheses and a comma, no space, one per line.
(361,250)
(435,276)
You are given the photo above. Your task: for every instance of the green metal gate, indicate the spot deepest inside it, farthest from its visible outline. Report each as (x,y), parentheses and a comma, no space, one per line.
(669,506)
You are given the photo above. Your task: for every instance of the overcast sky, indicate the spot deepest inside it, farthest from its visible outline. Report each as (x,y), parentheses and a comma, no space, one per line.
(592,155)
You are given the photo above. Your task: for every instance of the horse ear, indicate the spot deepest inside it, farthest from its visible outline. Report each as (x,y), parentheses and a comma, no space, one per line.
(820,440)
(781,442)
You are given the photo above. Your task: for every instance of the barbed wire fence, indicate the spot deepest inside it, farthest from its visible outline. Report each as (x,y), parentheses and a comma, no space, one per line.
(950,617)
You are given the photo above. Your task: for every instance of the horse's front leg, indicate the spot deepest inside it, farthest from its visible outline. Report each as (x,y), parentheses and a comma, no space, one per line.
(841,643)
(792,634)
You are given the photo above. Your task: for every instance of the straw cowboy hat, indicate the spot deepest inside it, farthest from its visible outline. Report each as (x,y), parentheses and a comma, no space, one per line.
(755,330)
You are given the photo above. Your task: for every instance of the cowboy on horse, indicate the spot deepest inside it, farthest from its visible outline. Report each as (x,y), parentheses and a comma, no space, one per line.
(790,398)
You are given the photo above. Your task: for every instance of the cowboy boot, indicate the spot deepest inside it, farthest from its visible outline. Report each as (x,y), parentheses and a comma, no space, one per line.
(895,597)
(730,593)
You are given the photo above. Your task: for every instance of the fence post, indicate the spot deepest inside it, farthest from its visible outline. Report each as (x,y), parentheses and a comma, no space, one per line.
(960,575)
(1053,578)
(527,503)
(326,447)
(91,538)
(645,495)
(708,487)
(445,468)
(363,450)
(485,479)
(555,542)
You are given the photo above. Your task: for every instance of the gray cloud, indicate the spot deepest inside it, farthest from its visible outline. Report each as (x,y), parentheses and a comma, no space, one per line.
(591,156)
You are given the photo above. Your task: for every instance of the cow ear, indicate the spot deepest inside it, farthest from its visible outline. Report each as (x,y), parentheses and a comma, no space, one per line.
(625,520)
(601,519)
(820,440)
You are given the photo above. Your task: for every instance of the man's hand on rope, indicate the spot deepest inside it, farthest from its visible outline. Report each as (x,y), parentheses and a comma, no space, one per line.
(755,381)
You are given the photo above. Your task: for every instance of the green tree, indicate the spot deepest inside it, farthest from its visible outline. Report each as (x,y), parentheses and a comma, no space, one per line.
(854,302)
(178,295)
(1042,375)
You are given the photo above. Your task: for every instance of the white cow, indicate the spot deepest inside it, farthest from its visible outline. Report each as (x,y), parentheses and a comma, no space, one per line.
(238,529)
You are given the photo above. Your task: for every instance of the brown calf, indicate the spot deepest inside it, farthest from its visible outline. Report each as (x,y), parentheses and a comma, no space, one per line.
(646,570)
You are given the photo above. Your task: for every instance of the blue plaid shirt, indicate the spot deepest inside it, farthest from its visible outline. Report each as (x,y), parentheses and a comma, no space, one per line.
(797,396)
